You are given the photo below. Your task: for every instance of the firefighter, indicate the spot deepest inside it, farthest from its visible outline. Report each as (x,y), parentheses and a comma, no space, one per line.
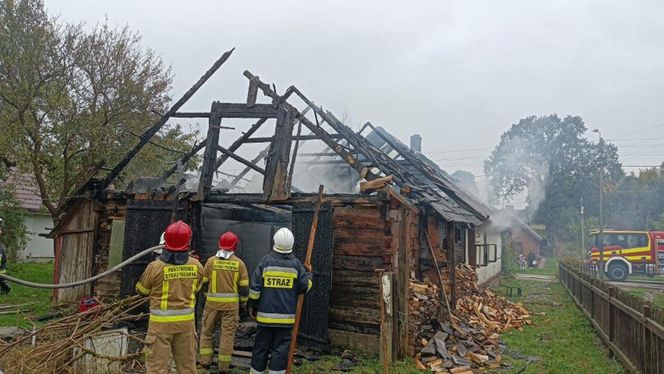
(4,286)
(227,294)
(171,282)
(275,286)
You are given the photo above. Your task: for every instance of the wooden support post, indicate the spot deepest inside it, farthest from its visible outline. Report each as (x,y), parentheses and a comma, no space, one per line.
(648,360)
(252,92)
(386,280)
(451,261)
(291,168)
(210,154)
(276,168)
(149,133)
(472,251)
(307,265)
(612,314)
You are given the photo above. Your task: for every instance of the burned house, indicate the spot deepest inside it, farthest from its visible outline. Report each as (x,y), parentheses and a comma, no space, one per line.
(386,207)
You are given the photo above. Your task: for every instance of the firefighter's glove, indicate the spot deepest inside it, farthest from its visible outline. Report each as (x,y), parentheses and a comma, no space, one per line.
(252,306)
(243,308)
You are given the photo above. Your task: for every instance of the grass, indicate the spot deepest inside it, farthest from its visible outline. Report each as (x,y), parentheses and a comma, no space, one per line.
(550,268)
(327,364)
(562,340)
(656,278)
(39,300)
(657,295)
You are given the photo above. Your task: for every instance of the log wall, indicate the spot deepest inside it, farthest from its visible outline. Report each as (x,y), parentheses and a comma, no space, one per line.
(362,244)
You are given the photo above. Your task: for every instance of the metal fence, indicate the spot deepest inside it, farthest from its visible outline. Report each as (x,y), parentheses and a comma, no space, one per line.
(631,327)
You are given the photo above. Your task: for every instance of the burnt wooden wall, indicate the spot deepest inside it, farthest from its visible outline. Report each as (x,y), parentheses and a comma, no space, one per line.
(73,251)
(368,237)
(107,287)
(362,243)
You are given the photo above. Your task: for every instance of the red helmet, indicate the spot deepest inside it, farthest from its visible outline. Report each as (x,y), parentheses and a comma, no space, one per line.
(228,241)
(177,237)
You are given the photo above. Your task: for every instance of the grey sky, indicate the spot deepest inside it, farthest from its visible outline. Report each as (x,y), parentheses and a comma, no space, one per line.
(459,73)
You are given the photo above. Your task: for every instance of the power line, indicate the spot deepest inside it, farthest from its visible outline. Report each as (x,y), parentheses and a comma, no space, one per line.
(642,130)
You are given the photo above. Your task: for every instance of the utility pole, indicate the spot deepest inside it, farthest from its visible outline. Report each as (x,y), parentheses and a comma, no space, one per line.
(601,205)
(583,232)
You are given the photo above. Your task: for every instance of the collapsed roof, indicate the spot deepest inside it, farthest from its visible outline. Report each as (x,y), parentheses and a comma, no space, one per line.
(416,177)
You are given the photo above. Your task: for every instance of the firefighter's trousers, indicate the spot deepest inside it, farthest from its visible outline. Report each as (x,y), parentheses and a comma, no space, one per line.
(272,342)
(160,347)
(229,322)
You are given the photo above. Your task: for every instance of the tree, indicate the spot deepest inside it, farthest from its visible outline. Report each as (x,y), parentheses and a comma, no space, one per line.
(466,181)
(72,100)
(637,201)
(550,159)
(14,232)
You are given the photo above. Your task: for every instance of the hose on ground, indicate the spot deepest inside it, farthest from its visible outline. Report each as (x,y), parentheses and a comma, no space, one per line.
(119,266)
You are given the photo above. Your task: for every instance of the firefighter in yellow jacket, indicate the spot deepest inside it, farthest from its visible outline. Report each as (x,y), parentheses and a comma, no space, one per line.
(227,293)
(171,282)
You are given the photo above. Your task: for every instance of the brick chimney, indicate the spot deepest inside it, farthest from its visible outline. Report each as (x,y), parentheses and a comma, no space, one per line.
(416,143)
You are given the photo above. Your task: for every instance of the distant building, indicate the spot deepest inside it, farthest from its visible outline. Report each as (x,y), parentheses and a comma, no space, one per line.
(524,237)
(38,220)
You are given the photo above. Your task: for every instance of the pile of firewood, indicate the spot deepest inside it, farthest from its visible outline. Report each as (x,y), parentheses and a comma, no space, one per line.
(484,308)
(424,309)
(468,342)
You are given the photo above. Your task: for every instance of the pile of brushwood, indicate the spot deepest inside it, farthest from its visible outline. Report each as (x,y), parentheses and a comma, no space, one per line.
(469,342)
(67,345)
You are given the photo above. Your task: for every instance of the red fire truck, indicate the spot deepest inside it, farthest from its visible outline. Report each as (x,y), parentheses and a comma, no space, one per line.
(629,252)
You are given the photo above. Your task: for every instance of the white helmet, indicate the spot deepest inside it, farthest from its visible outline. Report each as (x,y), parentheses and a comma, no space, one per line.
(162,241)
(283,241)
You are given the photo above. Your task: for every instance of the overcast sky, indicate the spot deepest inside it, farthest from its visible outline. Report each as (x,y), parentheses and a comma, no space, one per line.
(457,72)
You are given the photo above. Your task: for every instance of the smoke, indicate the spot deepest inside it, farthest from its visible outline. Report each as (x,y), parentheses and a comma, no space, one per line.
(530,171)
(316,164)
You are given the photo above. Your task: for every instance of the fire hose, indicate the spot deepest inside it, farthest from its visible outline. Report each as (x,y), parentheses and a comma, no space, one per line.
(115,268)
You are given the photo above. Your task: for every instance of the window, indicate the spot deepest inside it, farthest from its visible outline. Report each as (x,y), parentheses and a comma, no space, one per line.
(458,235)
(492,252)
(636,240)
(442,231)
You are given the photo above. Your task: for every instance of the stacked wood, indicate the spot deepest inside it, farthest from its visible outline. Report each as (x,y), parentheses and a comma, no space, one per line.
(470,342)
(424,307)
(484,308)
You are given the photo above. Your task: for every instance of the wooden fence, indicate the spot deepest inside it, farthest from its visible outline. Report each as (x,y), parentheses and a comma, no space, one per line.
(631,327)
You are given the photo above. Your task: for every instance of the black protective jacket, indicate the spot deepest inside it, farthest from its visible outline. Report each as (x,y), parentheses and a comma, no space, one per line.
(275,286)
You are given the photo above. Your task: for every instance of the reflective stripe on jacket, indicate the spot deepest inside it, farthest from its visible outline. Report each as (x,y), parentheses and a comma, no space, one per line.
(171,289)
(228,282)
(276,284)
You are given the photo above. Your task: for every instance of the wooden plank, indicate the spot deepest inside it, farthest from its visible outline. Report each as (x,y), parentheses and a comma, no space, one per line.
(239,141)
(386,320)
(358,263)
(210,155)
(241,160)
(241,110)
(357,342)
(369,316)
(276,168)
(252,91)
(378,183)
(247,169)
(368,235)
(360,223)
(354,248)
(269,139)
(149,133)
(184,159)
